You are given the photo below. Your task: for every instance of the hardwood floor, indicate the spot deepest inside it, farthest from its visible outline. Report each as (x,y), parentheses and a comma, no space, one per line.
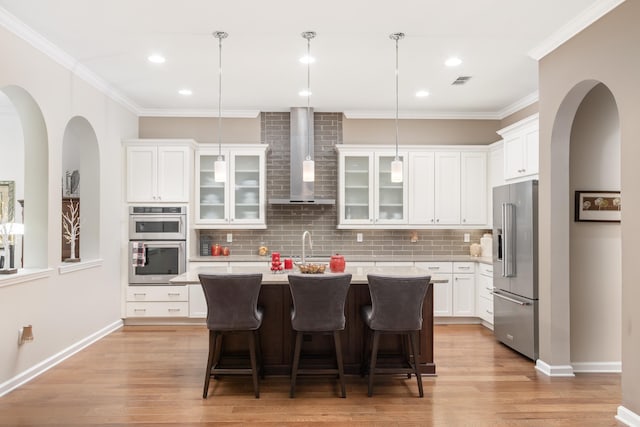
(150,376)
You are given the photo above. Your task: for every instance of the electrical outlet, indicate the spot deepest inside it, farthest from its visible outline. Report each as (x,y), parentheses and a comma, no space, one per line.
(229,237)
(467,237)
(359,238)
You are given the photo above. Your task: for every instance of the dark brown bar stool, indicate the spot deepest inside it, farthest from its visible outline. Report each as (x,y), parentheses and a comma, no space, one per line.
(318,307)
(232,307)
(396,309)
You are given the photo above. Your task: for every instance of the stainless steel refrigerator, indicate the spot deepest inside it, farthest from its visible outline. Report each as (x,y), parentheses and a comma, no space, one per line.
(515,266)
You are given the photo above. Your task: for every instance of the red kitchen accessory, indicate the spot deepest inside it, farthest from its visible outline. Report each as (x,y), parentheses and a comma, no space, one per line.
(337,263)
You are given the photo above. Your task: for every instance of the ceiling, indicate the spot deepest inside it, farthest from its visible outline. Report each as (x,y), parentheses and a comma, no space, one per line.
(109,42)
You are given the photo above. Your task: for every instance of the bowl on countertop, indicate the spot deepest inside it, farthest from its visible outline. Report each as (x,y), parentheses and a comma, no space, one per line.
(308,268)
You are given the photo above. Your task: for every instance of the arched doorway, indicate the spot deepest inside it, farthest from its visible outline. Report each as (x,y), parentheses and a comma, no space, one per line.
(34,184)
(567,173)
(595,247)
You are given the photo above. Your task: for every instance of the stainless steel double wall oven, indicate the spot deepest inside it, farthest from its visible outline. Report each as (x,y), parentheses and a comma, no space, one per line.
(160,233)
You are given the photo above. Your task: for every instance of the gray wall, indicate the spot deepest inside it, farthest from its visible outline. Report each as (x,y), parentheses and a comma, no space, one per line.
(421,131)
(603,53)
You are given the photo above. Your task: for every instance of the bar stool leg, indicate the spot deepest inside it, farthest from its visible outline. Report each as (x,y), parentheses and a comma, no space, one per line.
(374,359)
(364,360)
(254,366)
(259,351)
(296,361)
(338,346)
(212,349)
(414,350)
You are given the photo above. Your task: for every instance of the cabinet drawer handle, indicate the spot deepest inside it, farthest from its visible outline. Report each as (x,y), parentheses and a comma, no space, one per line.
(489,312)
(464,268)
(490,289)
(433,268)
(173,309)
(173,294)
(141,294)
(140,309)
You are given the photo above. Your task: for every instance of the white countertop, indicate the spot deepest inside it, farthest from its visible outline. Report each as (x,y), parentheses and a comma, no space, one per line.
(359,274)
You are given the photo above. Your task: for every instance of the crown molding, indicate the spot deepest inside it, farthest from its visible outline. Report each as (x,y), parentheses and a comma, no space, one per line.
(35,39)
(160,112)
(519,105)
(418,115)
(573,27)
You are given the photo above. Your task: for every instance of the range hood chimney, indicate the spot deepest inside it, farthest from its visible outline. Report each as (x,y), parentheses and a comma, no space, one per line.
(301,192)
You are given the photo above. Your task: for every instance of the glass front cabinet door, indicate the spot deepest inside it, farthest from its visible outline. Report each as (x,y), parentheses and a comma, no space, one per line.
(391,197)
(356,204)
(239,200)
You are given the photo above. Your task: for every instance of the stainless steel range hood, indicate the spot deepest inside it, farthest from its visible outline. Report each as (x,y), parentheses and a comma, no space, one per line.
(301,192)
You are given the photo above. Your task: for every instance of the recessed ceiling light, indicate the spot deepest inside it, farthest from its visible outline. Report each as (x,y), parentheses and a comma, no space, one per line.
(307,59)
(156,59)
(453,62)
(422,93)
(185,92)
(305,92)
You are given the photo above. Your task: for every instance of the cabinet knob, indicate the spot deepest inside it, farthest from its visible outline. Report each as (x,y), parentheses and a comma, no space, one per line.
(438,220)
(464,220)
(431,219)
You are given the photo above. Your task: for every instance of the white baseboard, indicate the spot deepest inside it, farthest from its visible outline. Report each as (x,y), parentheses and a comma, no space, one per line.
(597,367)
(52,361)
(628,417)
(554,371)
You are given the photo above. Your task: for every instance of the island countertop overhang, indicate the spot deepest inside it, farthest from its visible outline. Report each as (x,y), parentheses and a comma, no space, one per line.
(358,274)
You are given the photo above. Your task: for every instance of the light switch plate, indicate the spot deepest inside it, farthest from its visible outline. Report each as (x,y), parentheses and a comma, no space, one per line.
(359,238)
(467,237)
(229,237)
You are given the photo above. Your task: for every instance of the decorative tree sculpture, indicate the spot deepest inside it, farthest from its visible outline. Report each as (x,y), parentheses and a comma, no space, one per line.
(71,224)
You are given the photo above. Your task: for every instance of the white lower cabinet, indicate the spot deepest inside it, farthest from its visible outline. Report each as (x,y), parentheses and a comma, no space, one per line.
(443,290)
(157,301)
(454,295)
(484,302)
(197,303)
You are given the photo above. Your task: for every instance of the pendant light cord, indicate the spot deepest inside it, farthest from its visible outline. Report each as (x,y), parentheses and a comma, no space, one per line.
(308,98)
(397,38)
(220,96)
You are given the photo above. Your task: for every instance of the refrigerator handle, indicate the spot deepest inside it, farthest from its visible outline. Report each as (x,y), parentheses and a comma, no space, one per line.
(495,294)
(508,254)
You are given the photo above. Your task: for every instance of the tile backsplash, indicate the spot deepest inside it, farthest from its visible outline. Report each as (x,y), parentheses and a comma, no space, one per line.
(286,223)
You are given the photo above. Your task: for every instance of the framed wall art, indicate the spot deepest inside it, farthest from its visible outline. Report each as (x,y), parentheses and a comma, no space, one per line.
(599,206)
(7,201)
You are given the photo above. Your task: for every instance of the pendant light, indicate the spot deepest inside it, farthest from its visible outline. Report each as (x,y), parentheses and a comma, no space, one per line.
(308,166)
(220,166)
(396,164)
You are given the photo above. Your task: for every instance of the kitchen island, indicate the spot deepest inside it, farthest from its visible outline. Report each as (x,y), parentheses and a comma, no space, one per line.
(277,335)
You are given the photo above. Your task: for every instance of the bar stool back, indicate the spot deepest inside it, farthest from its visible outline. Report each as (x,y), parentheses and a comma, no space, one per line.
(232,306)
(396,309)
(318,307)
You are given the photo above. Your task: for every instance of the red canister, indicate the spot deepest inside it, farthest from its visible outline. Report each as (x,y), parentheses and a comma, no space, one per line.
(337,264)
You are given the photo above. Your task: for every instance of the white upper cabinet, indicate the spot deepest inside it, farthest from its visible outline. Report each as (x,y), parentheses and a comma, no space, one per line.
(356,189)
(423,188)
(158,170)
(441,187)
(521,148)
(239,200)
(473,188)
(447,188)
(366,195)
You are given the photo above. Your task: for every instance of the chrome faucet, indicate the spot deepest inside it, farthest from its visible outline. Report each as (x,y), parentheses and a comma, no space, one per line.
(305,234)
